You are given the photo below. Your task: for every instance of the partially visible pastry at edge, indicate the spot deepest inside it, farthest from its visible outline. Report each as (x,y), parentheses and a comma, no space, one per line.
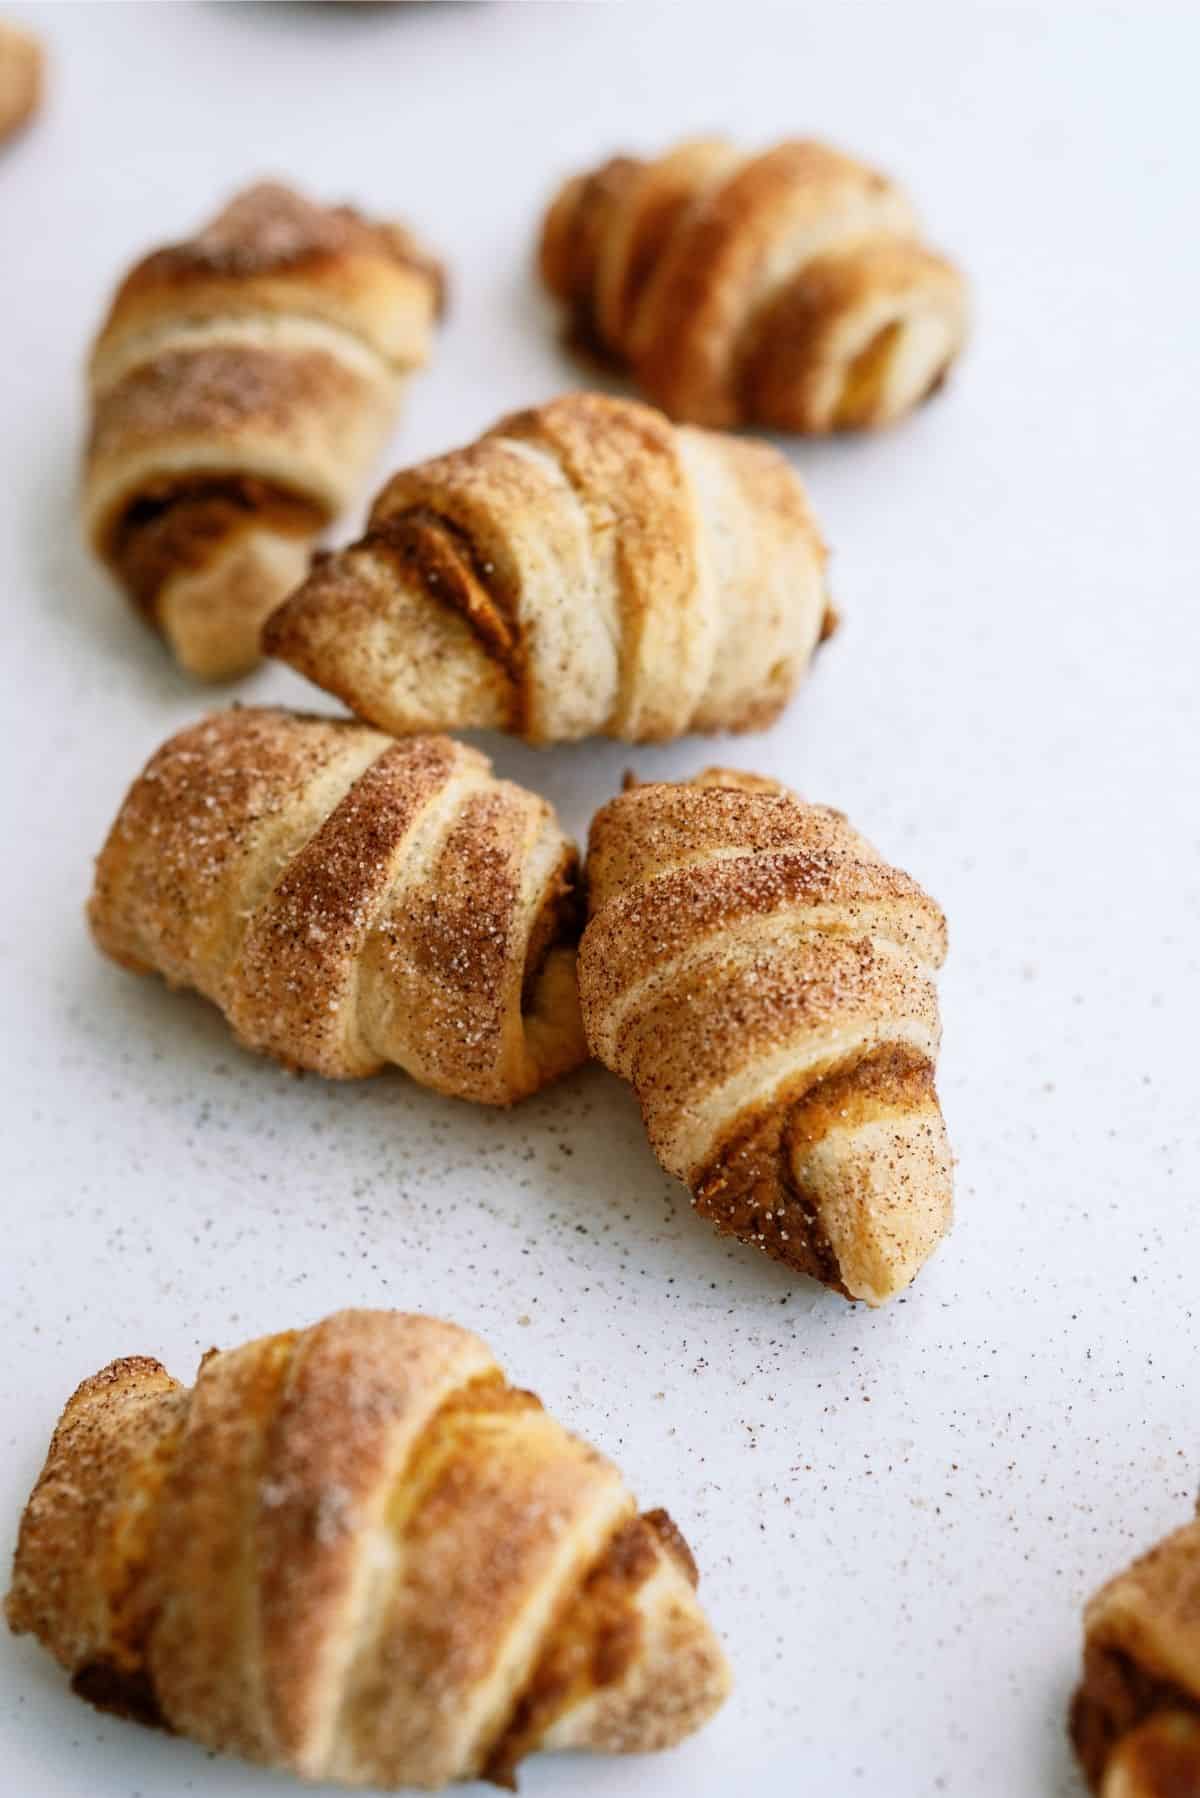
(764,979)
(241,386)
(1135,1721)
(585,568)
(350,902)
(788,288)
(21,65)
(356,1553)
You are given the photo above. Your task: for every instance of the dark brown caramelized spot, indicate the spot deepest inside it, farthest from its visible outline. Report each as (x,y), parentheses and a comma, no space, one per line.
(750,1189)
(175,527)
(119,1692)
(559,922)
(438,555)
(831,622)
(591,1645)
(749,1192)
(1115,1696)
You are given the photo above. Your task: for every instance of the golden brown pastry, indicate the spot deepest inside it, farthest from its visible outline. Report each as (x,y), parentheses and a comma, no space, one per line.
(349,901)
(356,1553)
(241,386)
(788,289)
(21,64)
(1135,1721)
(764,979)
(584,569)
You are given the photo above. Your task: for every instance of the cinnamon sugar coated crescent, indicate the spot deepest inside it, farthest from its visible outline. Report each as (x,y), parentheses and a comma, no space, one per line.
(585,568)
(789,288)
(241,386)
(351,902)
(764,980)
(355,1553)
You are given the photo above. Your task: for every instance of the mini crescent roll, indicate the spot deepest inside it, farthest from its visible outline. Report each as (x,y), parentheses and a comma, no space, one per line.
(241,386)
(764,979)
(351,902)
(1135,1721)
(356,1553)
(788,289)
(584,569)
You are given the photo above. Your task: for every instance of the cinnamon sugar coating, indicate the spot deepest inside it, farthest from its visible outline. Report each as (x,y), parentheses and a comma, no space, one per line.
(764,979)
(241,384)
(585,568)
(788,289)
(350,902)
(1135,1720)
(355,1553)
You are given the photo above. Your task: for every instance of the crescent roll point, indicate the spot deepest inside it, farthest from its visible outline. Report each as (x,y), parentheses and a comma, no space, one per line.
(356,1553)
(764,980)
(349,901)
(1135,1721)
(585,568)
(788,289)
(241,387)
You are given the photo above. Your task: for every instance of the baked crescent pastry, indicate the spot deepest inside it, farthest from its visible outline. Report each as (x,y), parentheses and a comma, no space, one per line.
(21,65)
(764,979)
(356,1553)
(1135,1721)
(789,289)
(584,569)
(241,386)
(349,901)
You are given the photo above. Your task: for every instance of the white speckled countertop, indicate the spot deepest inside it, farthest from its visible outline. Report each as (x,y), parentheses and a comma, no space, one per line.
(897,1515)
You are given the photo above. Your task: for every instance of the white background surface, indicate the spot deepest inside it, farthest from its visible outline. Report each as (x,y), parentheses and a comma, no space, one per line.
(897,1515)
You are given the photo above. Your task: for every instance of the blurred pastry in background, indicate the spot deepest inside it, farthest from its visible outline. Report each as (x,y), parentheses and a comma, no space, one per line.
(241,386)
(789,289)
(21,74)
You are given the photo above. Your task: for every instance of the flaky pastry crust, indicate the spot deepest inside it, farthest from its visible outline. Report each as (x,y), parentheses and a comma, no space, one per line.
(764,979)
(356,1553)
(241,385)
(351,902)
(585,568)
